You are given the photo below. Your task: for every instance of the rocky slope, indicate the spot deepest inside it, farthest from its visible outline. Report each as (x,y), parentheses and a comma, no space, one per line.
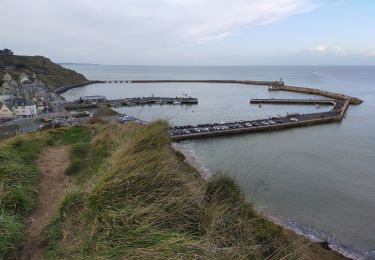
(49,72)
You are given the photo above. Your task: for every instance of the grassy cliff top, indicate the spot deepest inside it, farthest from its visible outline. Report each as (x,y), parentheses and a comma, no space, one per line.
(49,72)
(134,198)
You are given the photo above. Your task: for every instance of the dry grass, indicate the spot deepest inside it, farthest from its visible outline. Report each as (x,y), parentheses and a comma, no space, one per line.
(140,201)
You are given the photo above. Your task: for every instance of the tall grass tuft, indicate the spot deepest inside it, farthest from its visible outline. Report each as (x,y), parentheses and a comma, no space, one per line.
(222,188)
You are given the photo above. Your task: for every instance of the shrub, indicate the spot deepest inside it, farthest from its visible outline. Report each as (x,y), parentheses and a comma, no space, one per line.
(222,188)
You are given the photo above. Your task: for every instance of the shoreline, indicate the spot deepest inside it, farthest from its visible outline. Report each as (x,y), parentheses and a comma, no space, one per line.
(335,245)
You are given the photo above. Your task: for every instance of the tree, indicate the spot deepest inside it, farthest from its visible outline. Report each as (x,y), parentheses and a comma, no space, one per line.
(6,52)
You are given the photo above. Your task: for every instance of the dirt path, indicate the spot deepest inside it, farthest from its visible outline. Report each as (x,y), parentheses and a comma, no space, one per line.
(51,163)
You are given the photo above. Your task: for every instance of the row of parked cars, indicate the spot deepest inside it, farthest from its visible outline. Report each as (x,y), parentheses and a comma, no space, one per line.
(225,125)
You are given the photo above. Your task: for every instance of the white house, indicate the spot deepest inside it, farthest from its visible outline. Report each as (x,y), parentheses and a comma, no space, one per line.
(7,77)
(23,107)
(9,86)
(5,111)
(24,79)
(5,88)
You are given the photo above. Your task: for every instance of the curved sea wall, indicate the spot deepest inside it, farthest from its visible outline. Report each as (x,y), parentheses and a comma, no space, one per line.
(64,89)
(314,91)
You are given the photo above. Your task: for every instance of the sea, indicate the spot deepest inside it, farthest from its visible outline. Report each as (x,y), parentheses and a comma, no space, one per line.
(317,180)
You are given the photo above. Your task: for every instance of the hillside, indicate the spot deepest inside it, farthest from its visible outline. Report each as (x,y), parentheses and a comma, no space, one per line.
(134,198)
(50,73)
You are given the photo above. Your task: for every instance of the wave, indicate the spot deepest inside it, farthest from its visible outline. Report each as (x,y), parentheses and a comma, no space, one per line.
(335,244)
(297,227)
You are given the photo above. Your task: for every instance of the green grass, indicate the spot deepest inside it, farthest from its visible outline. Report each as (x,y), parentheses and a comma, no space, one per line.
(134,198)
(11,233)
(78,153)
(143,202)
(19,180)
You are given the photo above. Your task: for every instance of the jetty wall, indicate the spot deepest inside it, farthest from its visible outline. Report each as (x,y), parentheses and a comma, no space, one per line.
(314,91)
(64,89)
(265,128)
(249,82)
(293,101)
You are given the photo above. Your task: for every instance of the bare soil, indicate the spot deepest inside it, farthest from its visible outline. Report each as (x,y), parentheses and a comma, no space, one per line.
(52,164)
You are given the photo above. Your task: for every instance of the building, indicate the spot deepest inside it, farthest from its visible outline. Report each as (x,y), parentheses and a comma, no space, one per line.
(23,107)
(41,105)
(6,110)
(5,88)
(7,77)
(24,79)
(4,98)
(10,86)
(91,100)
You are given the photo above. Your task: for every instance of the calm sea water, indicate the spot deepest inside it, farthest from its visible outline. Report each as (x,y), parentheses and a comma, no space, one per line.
(319,180)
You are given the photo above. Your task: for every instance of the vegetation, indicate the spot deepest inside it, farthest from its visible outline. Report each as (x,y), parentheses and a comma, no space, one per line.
(6,52)
(134,198)
(138,200)
(19,180)
(50,73)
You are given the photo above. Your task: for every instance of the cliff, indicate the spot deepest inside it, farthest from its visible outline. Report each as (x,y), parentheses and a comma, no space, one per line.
(132,197)
(52,74)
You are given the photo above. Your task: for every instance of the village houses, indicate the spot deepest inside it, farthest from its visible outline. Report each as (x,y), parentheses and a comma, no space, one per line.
(16,101)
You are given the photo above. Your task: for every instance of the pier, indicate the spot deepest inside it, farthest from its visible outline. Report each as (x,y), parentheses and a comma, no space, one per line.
(247,82)
(188,132)
(314,91)
(135,101)
(294,101)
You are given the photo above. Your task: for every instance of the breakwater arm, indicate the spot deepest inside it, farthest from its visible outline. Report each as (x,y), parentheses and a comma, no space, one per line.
(294,101)
(314,91)
(64,89)
(248,82)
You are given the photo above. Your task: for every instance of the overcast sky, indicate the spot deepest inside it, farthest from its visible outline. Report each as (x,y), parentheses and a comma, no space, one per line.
(192,32)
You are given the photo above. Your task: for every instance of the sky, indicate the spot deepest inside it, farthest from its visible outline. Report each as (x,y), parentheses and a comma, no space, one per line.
(192,32)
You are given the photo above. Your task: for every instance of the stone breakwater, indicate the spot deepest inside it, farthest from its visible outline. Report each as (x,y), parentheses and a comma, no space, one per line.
(314,91)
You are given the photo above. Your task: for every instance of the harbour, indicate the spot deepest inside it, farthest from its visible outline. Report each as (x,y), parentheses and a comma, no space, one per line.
(323,163)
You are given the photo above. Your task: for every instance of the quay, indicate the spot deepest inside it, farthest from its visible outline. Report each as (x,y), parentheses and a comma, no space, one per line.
(188,132)
(132,102)
(271,101)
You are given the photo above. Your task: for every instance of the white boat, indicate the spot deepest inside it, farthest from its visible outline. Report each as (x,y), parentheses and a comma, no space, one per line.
(176,102)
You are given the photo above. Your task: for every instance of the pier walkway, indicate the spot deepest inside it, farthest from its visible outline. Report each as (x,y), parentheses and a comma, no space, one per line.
(271,101)
(134,102)
(181,133)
